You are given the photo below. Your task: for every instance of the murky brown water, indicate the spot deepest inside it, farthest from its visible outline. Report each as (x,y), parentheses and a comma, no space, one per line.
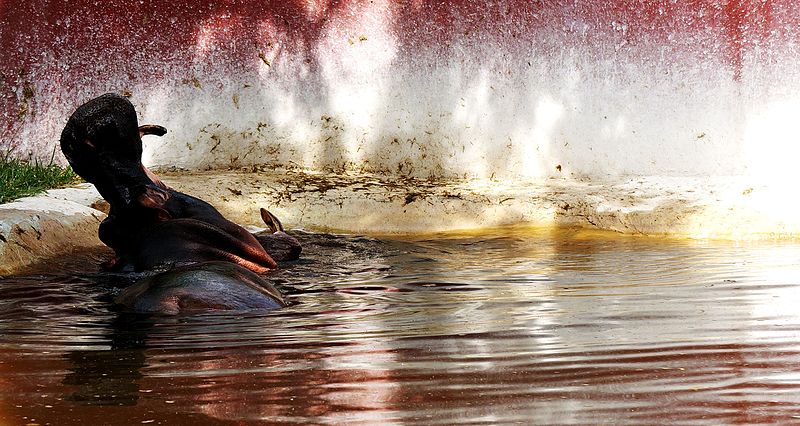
(515,326)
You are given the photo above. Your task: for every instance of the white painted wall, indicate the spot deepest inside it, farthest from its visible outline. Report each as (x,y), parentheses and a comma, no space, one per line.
(517,114)
(589,89)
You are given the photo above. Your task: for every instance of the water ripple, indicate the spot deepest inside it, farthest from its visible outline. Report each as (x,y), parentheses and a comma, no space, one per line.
(543,328)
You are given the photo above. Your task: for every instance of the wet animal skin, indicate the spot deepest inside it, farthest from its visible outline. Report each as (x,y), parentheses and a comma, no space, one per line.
(151,225)
(200,287)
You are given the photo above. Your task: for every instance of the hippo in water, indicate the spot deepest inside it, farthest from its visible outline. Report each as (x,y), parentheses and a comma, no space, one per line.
(151,225)
(200,287)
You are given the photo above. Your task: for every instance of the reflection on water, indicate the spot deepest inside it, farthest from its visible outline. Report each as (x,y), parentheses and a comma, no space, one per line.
(513,326)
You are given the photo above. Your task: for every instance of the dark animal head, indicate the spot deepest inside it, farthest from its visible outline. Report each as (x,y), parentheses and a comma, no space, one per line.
(102,142)
(280,245)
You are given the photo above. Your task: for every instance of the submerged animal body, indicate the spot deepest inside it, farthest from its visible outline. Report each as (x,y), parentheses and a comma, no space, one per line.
(201,287)
(152,226)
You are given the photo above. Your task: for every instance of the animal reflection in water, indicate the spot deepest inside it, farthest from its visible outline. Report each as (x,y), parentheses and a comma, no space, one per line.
(206,261)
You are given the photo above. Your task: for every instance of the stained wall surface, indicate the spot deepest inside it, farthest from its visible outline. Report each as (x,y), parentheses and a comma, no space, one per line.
(505,89)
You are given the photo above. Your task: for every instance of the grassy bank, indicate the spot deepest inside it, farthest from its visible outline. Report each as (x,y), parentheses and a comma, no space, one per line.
(23,178)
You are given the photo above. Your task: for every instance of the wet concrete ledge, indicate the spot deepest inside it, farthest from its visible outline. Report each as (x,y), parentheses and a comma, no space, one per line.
(58,222)
(62,221)
(698,207)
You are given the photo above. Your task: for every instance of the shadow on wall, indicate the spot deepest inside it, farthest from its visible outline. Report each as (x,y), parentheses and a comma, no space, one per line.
(423,89)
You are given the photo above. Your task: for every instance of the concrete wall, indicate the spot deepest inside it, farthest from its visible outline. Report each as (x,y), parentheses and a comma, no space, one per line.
(510,89)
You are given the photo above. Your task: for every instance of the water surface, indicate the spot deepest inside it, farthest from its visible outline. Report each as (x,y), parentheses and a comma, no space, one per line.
(535,327)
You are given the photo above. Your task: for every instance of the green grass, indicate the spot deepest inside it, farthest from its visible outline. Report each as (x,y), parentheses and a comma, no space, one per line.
(23,178)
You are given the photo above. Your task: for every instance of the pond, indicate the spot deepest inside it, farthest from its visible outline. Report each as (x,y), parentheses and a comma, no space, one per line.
(510,325)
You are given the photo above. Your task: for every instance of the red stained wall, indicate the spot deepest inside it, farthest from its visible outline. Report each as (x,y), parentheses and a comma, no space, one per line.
(57,54)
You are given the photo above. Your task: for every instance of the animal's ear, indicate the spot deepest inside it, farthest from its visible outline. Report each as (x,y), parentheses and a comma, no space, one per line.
(152,129)
(155,198)
(271,221)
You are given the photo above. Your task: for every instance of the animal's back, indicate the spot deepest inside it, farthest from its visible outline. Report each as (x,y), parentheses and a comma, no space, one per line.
(201,287)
